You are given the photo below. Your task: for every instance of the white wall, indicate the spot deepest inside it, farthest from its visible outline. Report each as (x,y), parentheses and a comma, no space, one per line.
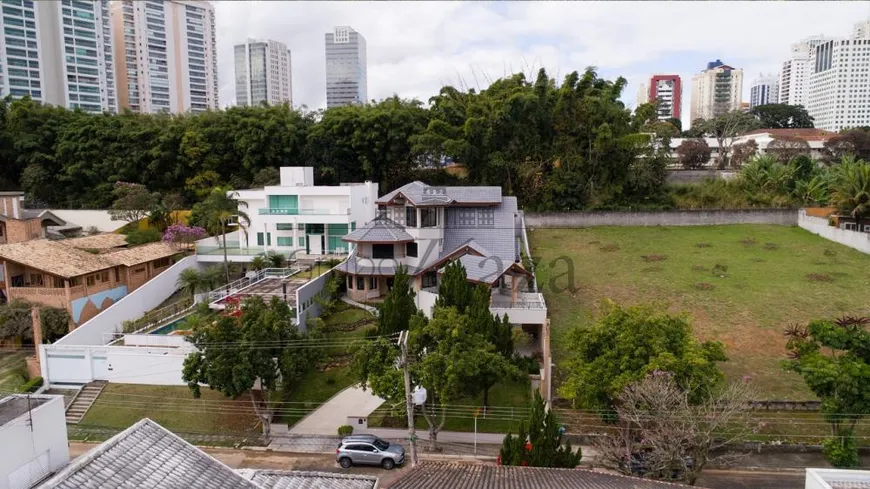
(425,302)
(818,225)
(123,364)
(131,306)
(87,218)
(155,340)
(817,478)
(20,445)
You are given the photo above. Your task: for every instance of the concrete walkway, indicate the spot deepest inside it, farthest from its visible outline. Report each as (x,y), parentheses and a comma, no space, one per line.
(347,300)
(326,419)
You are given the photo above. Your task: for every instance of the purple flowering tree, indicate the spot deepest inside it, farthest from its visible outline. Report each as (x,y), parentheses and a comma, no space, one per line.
(184,236)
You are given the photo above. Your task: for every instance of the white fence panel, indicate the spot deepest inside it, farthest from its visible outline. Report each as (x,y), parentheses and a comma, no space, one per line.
(818,225)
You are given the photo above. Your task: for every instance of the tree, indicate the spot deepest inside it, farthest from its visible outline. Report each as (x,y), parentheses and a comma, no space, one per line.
(399,306)
(665,434)
(455,289)
(785,148)
(219,210)
(782,116)
(184,236)
(693,153)
(725,128)
(850,192)
(16,320)
(132,202)
(190,281)
(743,152)
(677,123)
(261,345)
(540,444)
(265,177)
(626,344)
(55,323)
(833,357)
(258,263)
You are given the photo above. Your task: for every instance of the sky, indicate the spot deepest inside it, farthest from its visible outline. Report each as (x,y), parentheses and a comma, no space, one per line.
(415,48)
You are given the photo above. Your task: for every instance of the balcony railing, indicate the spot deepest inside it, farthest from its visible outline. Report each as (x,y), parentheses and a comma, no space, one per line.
(301,212)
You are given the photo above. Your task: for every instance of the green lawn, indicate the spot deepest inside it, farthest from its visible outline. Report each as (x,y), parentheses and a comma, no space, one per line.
(13,370)
(173,407)
(764,283)
(511,405)
(311,391)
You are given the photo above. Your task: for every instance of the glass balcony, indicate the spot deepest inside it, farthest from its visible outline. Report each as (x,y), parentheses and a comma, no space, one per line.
(301,212)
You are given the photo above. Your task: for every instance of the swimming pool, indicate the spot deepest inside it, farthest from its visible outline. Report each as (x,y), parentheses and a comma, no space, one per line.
(168,328)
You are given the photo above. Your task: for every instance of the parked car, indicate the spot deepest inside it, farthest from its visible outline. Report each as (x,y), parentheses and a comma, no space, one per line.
(368,450)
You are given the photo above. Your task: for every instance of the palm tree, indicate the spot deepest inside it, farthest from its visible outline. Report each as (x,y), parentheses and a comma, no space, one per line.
(212,278)
(277,260)
(190,281)
(219,209)
(258,263)
(851,190)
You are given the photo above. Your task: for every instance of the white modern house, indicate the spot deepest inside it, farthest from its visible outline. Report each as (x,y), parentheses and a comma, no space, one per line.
(33,441)
(836,479)
(296,218)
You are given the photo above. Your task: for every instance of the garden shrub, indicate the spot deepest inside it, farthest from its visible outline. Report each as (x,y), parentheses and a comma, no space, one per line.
(841,451)
(345,430)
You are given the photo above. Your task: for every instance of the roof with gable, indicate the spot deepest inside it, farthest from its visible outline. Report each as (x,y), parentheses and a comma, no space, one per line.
(141,254)
(103,241)
(355,265)
(380,230)
(438,475)
(421,194)
(61,259)
(493,229)
(146,455)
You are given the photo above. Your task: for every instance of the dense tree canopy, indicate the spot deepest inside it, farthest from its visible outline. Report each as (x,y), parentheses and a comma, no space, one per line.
(782,116)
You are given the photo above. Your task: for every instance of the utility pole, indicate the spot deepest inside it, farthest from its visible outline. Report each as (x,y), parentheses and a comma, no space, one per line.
(409,403)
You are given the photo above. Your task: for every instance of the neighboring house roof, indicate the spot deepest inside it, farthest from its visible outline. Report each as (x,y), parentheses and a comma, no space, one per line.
(54,257)
(418,193)
(486,269)
(63,260)
(100,219)
(141,254)
(28,214)
(380,230)
(808,134)
(285,479)
(435,475)
(105,241)
(146,455)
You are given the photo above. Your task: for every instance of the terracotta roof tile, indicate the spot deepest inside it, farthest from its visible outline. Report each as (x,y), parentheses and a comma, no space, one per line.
(105,241)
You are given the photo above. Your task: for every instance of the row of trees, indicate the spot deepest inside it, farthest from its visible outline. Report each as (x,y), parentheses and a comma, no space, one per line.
(16,321)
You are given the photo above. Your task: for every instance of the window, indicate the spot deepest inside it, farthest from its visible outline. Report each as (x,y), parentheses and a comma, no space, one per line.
(284,227)
(373,283)
(260,239)
(91,280)
(428,218)
(284,241)
(302,242)
(58,283)
(36,279)
(1,230)
(104,277)
(430,279)
(411,249)
(139,270)
(349,282)
(382,251)
(411,217)
(117,274)
(75,281)
(163,262)
(360,283)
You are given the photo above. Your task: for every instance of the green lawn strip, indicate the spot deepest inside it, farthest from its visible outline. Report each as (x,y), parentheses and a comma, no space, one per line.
(173,407)
(311,391)
(763,285)
(509,402)
(13,371)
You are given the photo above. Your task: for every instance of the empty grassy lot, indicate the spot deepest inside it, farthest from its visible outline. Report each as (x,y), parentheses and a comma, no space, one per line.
(766,278)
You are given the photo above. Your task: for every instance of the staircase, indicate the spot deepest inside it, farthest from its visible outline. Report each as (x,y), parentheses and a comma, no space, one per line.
(83,401)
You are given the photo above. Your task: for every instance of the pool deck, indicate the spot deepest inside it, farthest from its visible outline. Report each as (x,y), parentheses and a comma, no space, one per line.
(270,287)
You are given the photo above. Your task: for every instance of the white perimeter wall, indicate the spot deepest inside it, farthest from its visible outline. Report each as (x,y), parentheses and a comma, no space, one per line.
(818,225)
(425,302)
(131,306)
(20,444)
(123,364)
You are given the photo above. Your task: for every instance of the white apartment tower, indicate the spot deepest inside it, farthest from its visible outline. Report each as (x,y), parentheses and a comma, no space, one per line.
(795,72)
(165,55)
(839,81)
(58,53)
(346,75)
(263,73)
(764,90)
(716,90)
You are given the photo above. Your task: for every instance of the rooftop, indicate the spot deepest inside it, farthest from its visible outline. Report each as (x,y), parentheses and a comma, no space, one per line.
(419,193)
(438,475)
(141,254)
(15,405)
(285,479)
(807,134)
(380,230)
(61,259)
(104,241)
(838,478)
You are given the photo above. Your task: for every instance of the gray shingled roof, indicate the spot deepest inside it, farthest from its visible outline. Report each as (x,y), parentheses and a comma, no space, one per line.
(285,479)
(433,475)
(418,193)
(369,266)
(380,230)
(485,269)
(146,455)
(492,228)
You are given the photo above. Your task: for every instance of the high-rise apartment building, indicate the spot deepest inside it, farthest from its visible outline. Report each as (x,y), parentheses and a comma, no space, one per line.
(165,55)
(839,83)
(346,76)
(58,53)
(667,90)
(263,73)
(716,90)
(642,95)
(795,71)
(764,90)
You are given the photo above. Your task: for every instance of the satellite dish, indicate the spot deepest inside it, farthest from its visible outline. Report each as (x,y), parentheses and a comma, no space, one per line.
(419,395)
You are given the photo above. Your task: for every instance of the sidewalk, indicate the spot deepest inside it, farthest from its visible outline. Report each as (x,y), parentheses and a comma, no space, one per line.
(326,419)
(444,436)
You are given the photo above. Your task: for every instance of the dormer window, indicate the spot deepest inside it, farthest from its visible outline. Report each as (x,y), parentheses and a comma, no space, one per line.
(411,217)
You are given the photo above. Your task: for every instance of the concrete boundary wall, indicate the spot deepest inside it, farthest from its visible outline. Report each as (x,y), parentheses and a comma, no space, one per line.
(783,217)
(818,225)
(306,307)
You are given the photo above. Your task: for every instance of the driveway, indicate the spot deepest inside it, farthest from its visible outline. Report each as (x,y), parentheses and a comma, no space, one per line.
(326,419)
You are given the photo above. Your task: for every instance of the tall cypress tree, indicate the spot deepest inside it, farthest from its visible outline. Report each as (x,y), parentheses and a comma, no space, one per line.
(541,444)
(399,305)
(455,290)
